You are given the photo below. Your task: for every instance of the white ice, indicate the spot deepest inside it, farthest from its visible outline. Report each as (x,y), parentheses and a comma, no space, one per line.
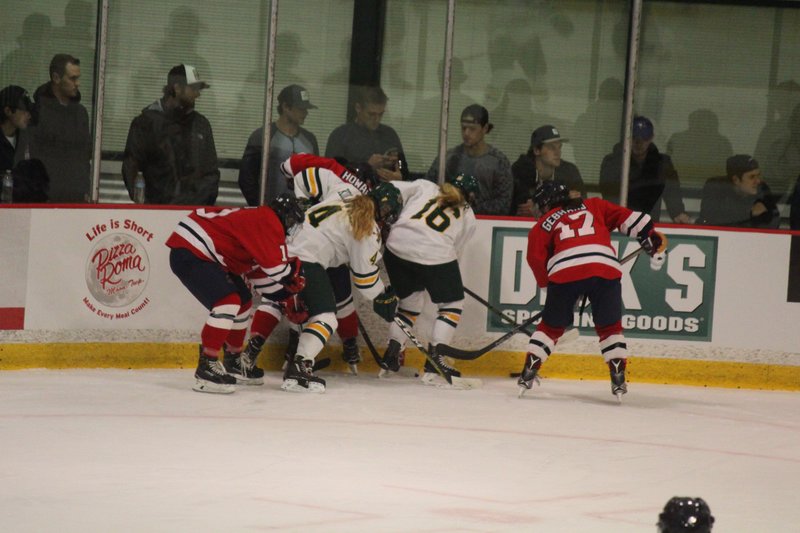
(134,451)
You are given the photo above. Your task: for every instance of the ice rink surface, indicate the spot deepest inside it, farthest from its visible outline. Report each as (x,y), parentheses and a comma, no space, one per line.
(139,451)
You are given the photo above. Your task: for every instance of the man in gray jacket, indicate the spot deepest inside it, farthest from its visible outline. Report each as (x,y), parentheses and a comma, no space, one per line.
(172,145)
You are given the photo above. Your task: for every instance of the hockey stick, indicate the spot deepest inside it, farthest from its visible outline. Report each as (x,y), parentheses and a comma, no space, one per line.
(371,347)
(496,311)
(455,382)
(467,355)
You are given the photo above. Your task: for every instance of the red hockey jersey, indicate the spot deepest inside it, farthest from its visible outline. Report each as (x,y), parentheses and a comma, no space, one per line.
(572,244)
(240,240)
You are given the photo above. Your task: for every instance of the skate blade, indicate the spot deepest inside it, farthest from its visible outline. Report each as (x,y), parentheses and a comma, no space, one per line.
(619,396)
(201,385)
(353,369)
(522,391)
(292,385)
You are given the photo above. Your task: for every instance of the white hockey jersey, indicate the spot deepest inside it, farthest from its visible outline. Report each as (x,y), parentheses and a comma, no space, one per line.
(326,238)
(425,233)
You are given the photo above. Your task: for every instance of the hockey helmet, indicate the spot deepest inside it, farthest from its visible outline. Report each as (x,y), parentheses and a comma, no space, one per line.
(364,172)
(469,186)
(550,194)
(288,210)
(684,514)
(388,203)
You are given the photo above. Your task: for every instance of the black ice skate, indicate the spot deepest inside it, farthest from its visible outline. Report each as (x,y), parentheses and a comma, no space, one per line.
(210,376)
(618,385)
(242,366)
(299,376)
(529,374)
(391,357)
(437,365)
(351,355)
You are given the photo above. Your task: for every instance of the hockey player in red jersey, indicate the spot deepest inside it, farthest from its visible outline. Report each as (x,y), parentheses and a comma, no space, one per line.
(212,250)
(570,253)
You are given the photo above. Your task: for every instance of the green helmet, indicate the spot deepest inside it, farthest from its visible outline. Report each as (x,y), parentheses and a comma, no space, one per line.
(388,203)
(468,185)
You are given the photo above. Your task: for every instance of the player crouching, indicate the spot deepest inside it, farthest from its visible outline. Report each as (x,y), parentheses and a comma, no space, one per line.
(570,253)
(339,233)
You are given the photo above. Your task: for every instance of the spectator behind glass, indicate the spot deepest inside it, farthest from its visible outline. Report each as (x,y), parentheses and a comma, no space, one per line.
(59,135)
(30,177)
(172,145)
(366,139)
(652,176)
(475,157)
(543,162)
(740,199)
(287,138)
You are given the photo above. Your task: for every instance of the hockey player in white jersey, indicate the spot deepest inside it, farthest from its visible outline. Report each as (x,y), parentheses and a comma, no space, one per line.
(339,233)
(422,256)
(315,179)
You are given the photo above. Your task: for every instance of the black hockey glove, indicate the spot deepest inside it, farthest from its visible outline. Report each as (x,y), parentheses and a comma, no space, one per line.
(385,304)
(652,241)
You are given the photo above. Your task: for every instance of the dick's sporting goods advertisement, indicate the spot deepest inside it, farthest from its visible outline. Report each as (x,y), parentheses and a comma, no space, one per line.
(674,302)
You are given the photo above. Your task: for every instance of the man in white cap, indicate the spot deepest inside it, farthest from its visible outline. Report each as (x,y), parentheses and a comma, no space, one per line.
(172,145)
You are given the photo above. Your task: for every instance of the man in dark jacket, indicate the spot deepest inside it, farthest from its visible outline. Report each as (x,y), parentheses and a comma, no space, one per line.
(740,199)
(543,162)
(287,138)
(172,145)
(652,176)
(30,176)
(60,135)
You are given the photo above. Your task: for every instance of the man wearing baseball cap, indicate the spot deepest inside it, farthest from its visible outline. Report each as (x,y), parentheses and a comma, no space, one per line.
(475,157)
(31,181)
(652,176)
(287,137)
(741,198)
(543,162)
(15,115)
(172,145)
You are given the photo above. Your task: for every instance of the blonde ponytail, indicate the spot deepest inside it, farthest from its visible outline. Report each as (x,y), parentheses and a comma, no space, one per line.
(451,196)
(361,212)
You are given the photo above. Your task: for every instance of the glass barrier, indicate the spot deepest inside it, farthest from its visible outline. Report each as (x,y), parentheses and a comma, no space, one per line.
(710,94)
(48,49)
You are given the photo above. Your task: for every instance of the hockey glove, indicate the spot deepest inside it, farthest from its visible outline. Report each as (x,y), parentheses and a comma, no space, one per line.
(653,242)
(385,304)
(295,309)
(295,281)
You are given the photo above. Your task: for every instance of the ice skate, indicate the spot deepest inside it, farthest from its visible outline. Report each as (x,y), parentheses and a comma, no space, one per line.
(243,366)
(299,377)
(351,355)
(391,359)
(436,367)
(210,376)
(618,385)
(529,375)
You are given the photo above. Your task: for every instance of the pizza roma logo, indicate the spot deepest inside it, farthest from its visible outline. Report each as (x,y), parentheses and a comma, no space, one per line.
(117,270)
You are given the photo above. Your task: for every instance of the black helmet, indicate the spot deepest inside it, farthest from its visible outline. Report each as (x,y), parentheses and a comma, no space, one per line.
(288,210)
(683,514)
(364,172)
(469,186)
(550,194)
(388,203)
